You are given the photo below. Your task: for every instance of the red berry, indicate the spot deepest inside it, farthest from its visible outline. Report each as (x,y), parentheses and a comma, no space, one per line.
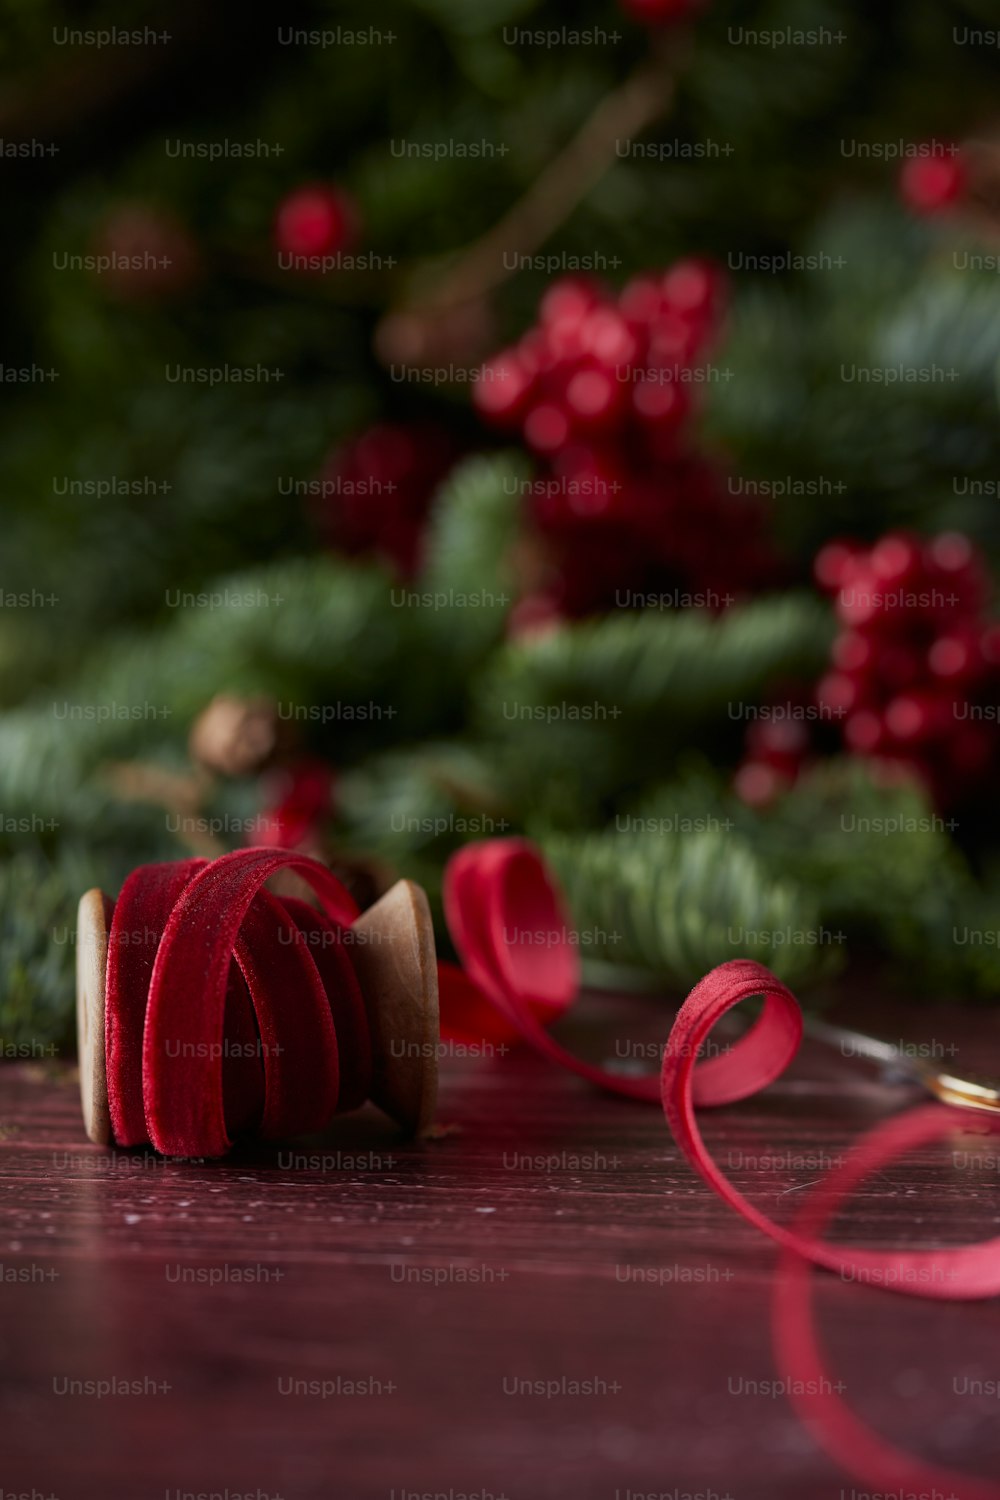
(951,551)
(932,184)
(913,718)
(501,388)
(832,563)
(757,784)
(779,742)
(607,336)
(661,402)
(673,341)
(593,396)
(861,597)
(563,343)
(957,575)
(896,560)
(641,300)
(692,287)
(852,652)
(838,694)
(534,352)
(546,428)
(955,657)
(660,12)
(863,732)
(568,300)
(315,220)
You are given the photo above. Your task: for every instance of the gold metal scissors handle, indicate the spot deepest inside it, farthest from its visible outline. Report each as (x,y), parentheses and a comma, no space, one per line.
(964,1093)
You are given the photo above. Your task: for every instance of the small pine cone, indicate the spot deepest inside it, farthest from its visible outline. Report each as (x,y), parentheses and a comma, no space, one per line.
(153,255)
(235,736)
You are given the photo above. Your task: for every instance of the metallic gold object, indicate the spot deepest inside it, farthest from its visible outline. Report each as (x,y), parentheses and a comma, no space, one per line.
(964,1093)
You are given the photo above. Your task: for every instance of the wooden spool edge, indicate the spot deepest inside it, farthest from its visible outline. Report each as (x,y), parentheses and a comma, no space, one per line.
(395,958)
(93,922)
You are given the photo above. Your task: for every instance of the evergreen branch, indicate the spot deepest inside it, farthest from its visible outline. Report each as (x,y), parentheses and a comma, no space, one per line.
(686,663)
(469,574)
(677,906)
(591,713)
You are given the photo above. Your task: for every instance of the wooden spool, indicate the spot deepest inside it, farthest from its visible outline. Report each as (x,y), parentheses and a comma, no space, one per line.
(392,949)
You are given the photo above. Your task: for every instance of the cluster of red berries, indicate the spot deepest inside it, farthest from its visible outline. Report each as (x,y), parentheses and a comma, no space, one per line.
(375,492)
(777,747)
(914,683)
(603,390)
(916,668)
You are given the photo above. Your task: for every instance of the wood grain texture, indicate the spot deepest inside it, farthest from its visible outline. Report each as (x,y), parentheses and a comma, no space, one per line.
(418,1280)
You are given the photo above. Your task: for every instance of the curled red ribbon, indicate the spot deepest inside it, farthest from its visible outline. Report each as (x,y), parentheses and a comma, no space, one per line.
(498,893)
(502,904)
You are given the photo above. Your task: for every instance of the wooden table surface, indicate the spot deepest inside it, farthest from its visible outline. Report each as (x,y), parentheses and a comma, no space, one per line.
(359,1318)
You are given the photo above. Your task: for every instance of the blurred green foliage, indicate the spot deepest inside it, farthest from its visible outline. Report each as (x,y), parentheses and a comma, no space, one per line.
(216,458)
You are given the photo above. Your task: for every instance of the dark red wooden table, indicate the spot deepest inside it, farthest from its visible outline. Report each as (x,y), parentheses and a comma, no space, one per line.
(465,1316)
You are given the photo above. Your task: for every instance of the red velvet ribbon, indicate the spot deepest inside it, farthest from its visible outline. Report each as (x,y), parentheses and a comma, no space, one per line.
(200,1048)
(961,1273)
(507,921)
(501,903)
